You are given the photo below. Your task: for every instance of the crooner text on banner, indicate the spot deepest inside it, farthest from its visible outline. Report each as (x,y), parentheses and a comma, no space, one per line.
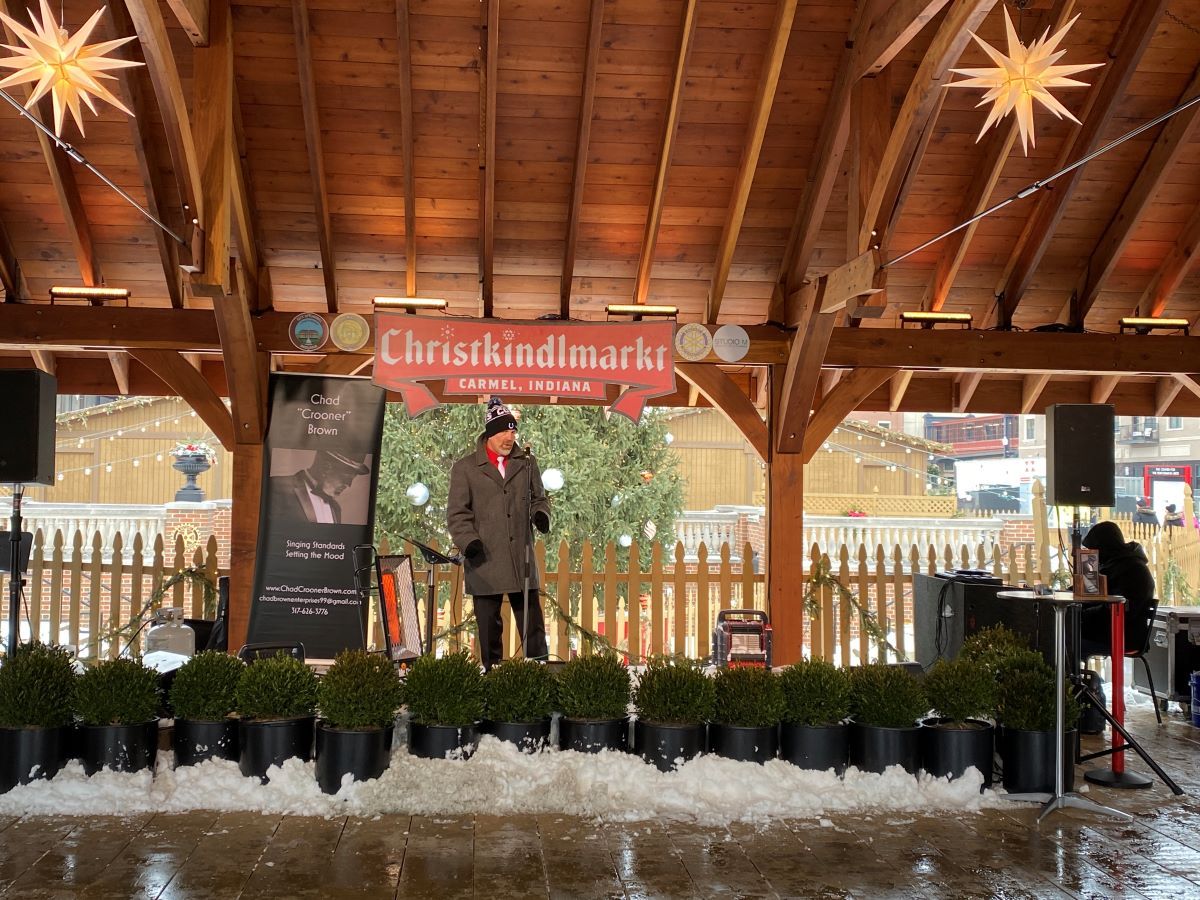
(564,359)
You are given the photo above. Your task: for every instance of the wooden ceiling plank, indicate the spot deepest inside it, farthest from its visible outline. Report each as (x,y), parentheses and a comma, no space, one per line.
(214,141)
(641,288)
(723,394)
(901,159)
(407,151)
(193,16)
(173,370)
(1032,386)
(965,385)
(892,31)
(1171,142)
(851,391)
(582,142)
(489,75)
(120,367)
(1102,387)
(316,153)
(12,279)
(898,388)
(768,81)
(1109,88)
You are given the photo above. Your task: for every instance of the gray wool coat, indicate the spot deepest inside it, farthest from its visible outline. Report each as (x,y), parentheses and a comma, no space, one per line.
(483,506)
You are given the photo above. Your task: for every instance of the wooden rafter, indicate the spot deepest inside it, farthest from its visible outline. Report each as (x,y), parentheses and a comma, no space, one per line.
(244,217)
(852,390)
(1102,387)
(1109,88)
(898,387)
(11,277)
(245,365)
(120,369)
(1032,386)
(641,288)
(582,141)
(1170,274)
(1189,383)
(1168,146)
(768,81)
(1165,392)
(214,137)
(193,16)
(173,370)
(316,153)
(965,386)
(892,31)
(173,108)
(45,360)
(726,396)
(901,157)
(870,122)
(800,382)
(488,74)
(407,148)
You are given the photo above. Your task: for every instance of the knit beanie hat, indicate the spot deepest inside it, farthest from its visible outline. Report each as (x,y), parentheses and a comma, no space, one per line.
(498,418)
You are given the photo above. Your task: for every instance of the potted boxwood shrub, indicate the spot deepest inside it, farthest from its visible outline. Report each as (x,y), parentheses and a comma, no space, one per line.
(593,696)
(887,702)
(277,698)
(816,705)
(673,699)
(518,702)
(37,684)
(116,701)
(962,693)
(444,696)
(1025,710)
(358,698)
(747,708)
(204,697)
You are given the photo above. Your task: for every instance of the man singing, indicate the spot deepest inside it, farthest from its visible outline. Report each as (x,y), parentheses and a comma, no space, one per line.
(488,513)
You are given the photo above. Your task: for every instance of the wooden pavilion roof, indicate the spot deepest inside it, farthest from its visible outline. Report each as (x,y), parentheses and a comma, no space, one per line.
(523,158)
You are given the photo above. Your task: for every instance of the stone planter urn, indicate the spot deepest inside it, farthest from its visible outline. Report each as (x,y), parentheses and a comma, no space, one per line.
(191,465)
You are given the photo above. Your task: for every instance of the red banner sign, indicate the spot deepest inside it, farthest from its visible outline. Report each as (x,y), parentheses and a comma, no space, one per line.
(564,359)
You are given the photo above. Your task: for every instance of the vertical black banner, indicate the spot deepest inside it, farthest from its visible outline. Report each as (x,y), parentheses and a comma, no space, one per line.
(320,471)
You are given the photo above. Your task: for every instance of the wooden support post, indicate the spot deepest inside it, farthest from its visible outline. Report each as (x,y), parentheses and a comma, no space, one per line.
(247,497)
(785,539)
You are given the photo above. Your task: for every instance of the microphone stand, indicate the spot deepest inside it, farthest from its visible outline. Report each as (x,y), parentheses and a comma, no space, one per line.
(432,558)
(14,572)
(528,553)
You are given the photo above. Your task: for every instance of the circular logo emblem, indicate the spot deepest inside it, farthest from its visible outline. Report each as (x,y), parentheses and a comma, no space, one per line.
(308,332)
(692,341)
(731,343)
(349,332)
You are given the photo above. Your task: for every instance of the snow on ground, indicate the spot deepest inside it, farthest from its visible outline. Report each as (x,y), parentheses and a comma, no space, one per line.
(498,779)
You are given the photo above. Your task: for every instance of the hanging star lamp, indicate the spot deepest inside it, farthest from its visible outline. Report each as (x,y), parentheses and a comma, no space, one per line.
(63,66)
(1024,75)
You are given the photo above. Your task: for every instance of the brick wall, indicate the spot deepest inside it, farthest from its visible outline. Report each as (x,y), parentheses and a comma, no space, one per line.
(1018,529)
(195,522)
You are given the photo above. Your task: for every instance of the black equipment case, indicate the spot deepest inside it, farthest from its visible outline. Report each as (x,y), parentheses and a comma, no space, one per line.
(1173,655)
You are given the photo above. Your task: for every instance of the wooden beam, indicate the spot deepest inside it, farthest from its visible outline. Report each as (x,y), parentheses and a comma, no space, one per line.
(316,153)
(898,387)
(193,16)
(799,382)
(1032,386)
(1167,148)
(173,370)
(1109,88)
(245,365)
(45,360)
(243,220)
(173,108)
(407,152)
(1165,392)
(921,103)
(243,542)
(641,286)
(12,279)
(965,385)
(583,139)
(1189,382)
(120,367)
(1174,269)
(1102,387)
(852,390)
(870,124)
(214,138)
(891,32)
(861,276)
(785,538)
(726,396)
(768,81)
(488,76)
(342,364)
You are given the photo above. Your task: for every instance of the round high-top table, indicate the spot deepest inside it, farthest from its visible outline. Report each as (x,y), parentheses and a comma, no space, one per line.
(1061,601)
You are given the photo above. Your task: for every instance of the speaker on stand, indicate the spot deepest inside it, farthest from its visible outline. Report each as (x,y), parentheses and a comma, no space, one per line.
(26,457)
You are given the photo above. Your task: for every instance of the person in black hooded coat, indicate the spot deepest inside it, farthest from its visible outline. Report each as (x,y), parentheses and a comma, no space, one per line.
(1127,569)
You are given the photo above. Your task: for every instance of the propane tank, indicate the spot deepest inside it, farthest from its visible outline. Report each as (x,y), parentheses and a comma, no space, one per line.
(170,633)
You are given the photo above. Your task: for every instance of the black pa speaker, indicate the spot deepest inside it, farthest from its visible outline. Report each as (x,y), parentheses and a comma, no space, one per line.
(27,440)
(1080,466)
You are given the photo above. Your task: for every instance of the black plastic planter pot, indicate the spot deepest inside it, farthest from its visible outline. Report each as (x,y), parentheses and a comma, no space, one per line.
(27,754)
(874,749)
(268,743)
(440,741)
(1028,760)
(362,754)
(663,745)
(747,744)
(588,736)
(530,737)
(951,751)
(194,740)
(121,748)
(817,747)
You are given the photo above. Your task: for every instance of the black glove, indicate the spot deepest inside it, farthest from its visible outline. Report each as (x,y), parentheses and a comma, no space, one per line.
(541,521)
(474,551)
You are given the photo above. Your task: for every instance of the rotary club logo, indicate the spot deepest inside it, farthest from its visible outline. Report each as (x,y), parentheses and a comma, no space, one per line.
(693,342)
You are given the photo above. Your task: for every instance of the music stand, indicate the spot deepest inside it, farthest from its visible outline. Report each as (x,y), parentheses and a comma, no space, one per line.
(432,558)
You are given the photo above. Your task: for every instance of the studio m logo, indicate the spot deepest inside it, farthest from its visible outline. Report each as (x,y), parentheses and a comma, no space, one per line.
(563,359)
